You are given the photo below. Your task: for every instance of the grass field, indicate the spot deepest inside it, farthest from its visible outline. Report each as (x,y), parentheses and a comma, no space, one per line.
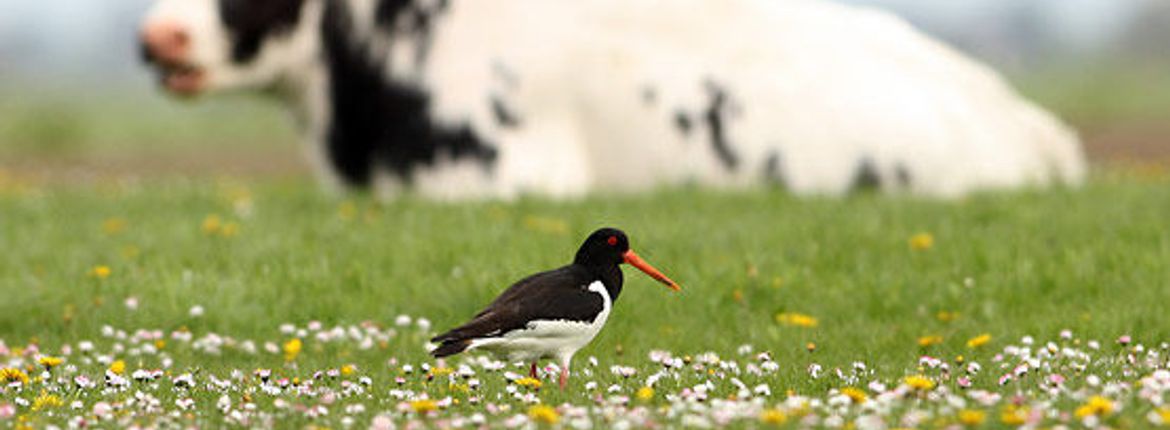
(815,283)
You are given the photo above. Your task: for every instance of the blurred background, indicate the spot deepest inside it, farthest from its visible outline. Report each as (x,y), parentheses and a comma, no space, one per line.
(75,102)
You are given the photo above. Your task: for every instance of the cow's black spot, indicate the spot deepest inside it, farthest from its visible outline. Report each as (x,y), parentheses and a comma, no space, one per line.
(649,95)
(504,116)
(507,77)
(716,116)
(378,122)
(774,169)
(250,22)
(905,178)
(413,19)
(865,176)
(682,122)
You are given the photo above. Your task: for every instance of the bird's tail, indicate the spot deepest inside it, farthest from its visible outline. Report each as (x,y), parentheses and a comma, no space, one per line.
(450,347)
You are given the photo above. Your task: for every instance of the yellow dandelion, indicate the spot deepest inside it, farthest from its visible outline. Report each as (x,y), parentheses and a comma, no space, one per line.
(100,272)
(773,417)
(919,382)
(796,319)
(545,224)
(928,341)
(979,341)
(921,241)
(441,371)
(347,211)
(47,401)
(972,417)
(1097,405)
(159,344)
(544,414)
(856,395)
(947,316)
(529,382)
(424,406)
(348,369)
(1013,415)
(11,374)
(130,252)
(211,224)
(229,229)
(644,394)
(50,362)
(292,348)
(118,367)
(112,226)
(1164,414)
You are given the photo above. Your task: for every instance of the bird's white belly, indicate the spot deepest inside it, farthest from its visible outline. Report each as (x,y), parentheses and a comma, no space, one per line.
(558,339)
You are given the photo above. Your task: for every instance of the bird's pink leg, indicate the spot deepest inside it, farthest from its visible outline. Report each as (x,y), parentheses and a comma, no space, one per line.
(532,370)
(564,377)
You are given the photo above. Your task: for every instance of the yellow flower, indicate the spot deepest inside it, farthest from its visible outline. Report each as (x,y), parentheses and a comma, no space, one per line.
(441,371)
(118,367)
(971,417)
(919,382)
(644,394)
(292,348)
(229,229)
(544,414)
(796,319)
(927,341)
(423,406)
(112,226)
(979,341)
(347,370)
(773,417)
(9,374)
(50,362)
(547,225)
(947,316)
(211,224)
(1164,414)
(346,210)
(1013,415)
(921,241)
(159,344)
(854,394)
(529,382)
(1096,405)
(100,272)
(47,401)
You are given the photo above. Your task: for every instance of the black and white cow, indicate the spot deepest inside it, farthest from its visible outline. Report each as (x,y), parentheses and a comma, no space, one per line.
(473,98)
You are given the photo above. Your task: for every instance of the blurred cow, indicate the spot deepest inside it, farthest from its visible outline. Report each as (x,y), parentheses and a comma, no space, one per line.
(472,98)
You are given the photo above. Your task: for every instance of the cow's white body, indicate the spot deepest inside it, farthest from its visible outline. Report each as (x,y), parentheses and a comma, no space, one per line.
(815,93)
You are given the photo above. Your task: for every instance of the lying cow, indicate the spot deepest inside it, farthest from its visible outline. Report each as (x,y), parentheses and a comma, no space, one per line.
(463,98)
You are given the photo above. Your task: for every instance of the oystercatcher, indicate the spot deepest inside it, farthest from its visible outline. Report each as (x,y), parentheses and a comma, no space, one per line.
(555,313)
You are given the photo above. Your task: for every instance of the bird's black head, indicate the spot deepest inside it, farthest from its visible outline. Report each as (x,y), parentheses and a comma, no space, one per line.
(606,246)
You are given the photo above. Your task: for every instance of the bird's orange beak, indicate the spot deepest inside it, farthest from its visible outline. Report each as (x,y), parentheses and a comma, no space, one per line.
(636,261)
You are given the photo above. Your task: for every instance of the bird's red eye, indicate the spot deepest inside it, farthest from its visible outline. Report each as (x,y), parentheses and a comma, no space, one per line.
(612,240)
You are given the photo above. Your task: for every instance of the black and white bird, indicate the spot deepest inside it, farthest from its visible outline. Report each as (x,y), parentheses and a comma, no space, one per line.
(555,313)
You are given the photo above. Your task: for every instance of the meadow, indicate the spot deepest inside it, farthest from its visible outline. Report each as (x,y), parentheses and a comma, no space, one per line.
(214,302)
(172,265)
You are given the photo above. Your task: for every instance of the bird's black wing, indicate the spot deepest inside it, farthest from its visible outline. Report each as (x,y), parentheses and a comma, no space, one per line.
(560,294)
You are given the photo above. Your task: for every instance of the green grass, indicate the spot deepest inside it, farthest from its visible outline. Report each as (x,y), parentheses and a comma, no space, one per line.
(1092,260)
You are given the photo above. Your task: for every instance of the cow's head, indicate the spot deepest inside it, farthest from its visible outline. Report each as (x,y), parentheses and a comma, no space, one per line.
(198,46)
